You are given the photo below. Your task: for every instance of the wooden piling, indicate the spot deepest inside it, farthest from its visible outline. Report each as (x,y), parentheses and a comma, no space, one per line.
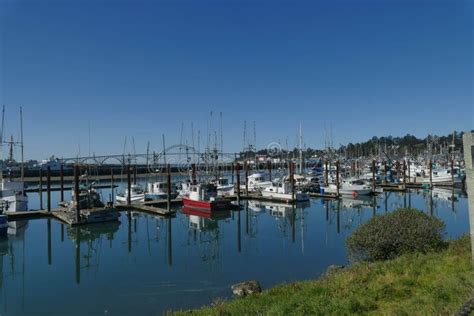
(246,179)
(385,171)
(373,175)
(292,179)
(61,176)
(76,192)
(326,176)
(40,189)
(232,173)
(168,186)
(404,174)
(48,188)
(112,185)
(237,175)
(431,174)
(452,172)
(269,167)
(129,185)
(337,177)
(193,173)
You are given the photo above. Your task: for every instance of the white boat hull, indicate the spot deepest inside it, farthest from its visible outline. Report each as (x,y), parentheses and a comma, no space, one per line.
(299,197)
(133,199)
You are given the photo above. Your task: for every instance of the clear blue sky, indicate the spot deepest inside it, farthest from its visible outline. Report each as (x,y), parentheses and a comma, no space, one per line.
(142,68)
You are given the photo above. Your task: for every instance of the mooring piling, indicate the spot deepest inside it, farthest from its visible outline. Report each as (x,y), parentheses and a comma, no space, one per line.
(48,189)
(112,185)
(246,179)
(40,189)
(168,186)
(237,175)
(61,176)
(373,175)
(337,177)
(76,193)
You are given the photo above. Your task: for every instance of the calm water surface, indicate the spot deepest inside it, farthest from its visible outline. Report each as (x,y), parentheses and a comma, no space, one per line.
(147,265)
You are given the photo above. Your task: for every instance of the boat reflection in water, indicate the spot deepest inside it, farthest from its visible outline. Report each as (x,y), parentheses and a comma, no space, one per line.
(204,231)
(91,235)
(203,220)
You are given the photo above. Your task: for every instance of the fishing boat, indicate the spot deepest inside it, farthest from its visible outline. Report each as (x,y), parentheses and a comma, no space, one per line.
(136,195)
(353,187)
(90,204)
(444,177)
(224,188)
(88,198)
(13,195)
(159,190)
(256,183)
(282,190)
(204,196)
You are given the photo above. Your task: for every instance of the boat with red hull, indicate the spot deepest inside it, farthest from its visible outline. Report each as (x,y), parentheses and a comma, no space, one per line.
(204,197)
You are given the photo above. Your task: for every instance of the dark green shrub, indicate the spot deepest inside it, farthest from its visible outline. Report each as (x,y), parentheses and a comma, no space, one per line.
(393,234)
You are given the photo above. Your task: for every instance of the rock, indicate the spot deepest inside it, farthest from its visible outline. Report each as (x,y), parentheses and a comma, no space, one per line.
(331,270)
(246,288)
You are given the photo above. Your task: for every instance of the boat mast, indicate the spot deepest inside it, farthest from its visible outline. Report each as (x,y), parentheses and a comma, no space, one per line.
(301,151)
(22,152)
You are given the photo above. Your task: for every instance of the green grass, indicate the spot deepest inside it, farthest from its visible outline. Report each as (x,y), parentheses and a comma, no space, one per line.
(414,284)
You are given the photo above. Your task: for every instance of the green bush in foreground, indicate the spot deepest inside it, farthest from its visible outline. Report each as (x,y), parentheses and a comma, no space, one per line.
(435,283)
(393,234)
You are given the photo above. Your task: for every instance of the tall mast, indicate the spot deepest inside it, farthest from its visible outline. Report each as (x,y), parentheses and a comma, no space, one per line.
(22,148)
(301,150)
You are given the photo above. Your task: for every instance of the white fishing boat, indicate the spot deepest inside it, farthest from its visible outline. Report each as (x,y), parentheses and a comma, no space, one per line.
(282,190)
(184,188)
(136,195)
(159,190)
(256,182)
(444,177)
(13,195)
(353,187)
(224,188)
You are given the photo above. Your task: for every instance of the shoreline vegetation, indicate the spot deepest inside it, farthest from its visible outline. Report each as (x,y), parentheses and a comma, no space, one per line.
(433,283)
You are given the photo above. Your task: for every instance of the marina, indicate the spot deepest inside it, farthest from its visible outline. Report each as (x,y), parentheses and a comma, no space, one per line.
(236,158)
(193,254)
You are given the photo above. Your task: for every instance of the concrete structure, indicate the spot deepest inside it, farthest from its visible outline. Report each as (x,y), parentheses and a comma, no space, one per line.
(468,141)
